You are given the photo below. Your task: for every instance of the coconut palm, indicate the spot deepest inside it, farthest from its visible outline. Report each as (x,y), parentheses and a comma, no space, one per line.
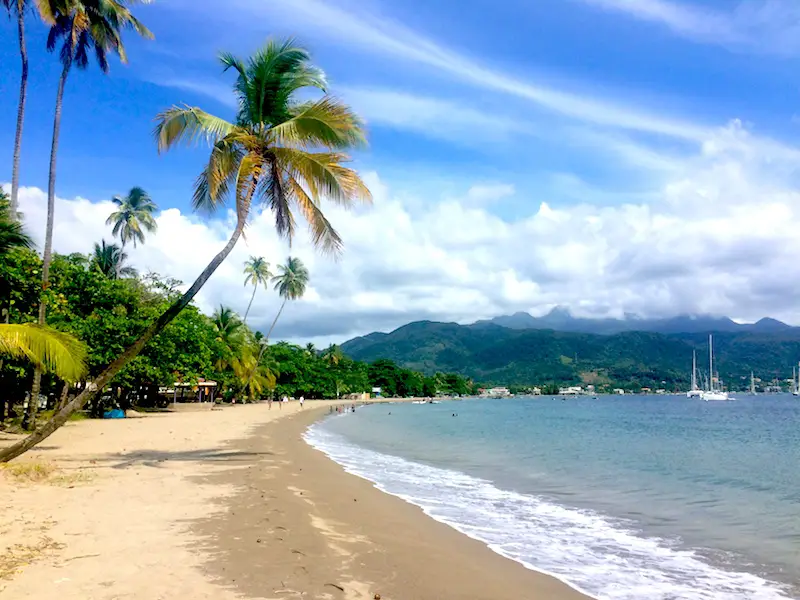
(279,152)
(134,216)
(254,374)
(78,28)
(18,8)
(232,336)
(332,355)
(52,351)
(290,284)
(12,234)
(257,273)
(110,259)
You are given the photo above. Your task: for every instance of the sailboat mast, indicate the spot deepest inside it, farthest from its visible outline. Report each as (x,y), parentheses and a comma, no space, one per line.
(710,365)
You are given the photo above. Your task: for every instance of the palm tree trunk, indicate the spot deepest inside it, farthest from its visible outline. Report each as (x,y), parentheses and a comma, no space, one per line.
(269,333)
(255,287)
(29,421)
(64,395)
(127,356)
(23,96)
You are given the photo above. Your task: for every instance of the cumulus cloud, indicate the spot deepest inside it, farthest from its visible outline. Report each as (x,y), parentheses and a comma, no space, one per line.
(721,237)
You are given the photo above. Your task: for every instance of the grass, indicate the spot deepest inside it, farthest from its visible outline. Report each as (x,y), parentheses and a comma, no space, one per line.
(20,555)
(42,472)
(28,472)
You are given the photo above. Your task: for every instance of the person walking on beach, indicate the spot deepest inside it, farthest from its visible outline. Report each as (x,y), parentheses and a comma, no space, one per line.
(301,401)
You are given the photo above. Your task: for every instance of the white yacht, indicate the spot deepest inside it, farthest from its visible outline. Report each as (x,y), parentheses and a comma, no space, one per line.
(711,394)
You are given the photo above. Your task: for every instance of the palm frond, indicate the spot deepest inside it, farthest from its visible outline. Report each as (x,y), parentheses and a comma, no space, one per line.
(54,351)
(213,183)
(323,234)
(323,175)
(326,123)
(13,235)
(188,124)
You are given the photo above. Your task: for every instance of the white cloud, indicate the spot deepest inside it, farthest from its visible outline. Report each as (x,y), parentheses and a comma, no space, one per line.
(769,26)
(721,237)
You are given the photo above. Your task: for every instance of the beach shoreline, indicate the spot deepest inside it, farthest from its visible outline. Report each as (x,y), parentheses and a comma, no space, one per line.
(230,504)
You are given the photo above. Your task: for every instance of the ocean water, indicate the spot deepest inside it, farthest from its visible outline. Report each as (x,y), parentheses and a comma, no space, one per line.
(624,498)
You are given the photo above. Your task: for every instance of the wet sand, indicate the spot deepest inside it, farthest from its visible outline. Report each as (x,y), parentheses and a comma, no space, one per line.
(229,504)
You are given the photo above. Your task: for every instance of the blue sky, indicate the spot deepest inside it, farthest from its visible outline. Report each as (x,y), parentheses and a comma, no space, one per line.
(600,109)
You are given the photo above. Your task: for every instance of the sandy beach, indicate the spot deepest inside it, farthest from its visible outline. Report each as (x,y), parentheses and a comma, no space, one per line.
(229,503)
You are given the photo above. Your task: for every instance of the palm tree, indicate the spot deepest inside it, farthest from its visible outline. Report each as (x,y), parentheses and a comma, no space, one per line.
(257,271)
(254,375)
(279,152)
(82,27)
(50,350)
(110,259)
(134,216)
(19,8)
(332,355)
(290,284)
(12,234)
(231,334)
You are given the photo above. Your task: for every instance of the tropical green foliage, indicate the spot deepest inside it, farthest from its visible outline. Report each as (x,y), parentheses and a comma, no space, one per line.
(134,216)
(106,314)
(52,351)
(12,234)
(630,360)
(110,260)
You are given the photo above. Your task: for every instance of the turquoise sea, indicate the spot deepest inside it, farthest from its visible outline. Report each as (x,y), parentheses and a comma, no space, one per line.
(623,497)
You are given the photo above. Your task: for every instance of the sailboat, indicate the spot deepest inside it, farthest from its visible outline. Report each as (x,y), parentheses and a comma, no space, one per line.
(712,394)
(752,384)
(795,382)
(694,392)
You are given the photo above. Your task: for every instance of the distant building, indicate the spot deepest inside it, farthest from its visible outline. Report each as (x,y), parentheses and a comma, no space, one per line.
(619,391)
(536,391)
(574,390)
(495,392)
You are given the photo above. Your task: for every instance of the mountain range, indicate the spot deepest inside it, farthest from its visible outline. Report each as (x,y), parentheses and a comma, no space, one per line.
(561,319)
(524,350)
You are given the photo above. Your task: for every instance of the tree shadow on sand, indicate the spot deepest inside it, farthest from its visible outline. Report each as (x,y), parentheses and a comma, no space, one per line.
(155,458)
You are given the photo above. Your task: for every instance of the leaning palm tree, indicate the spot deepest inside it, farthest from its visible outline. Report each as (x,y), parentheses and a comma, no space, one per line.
(257,273)
(110,259)
(290,284)
(134,216)
(79,27)
(279,152)
(19,8)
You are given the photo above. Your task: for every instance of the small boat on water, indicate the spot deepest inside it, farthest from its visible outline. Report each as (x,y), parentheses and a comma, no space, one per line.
(695,392)
(712,395)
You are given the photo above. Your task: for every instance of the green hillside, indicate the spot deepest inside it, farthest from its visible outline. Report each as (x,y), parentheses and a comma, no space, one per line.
(497,355)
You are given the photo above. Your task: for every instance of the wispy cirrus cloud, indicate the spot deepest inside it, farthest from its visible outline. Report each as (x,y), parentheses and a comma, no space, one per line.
(767,26)
(352,25)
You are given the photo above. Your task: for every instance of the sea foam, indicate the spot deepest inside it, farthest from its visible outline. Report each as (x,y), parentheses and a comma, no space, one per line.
(600,556)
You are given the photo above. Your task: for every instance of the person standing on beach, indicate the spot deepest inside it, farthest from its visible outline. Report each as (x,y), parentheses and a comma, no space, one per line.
(301,401)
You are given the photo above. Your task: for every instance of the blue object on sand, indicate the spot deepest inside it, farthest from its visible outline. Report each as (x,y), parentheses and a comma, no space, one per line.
(114,414)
